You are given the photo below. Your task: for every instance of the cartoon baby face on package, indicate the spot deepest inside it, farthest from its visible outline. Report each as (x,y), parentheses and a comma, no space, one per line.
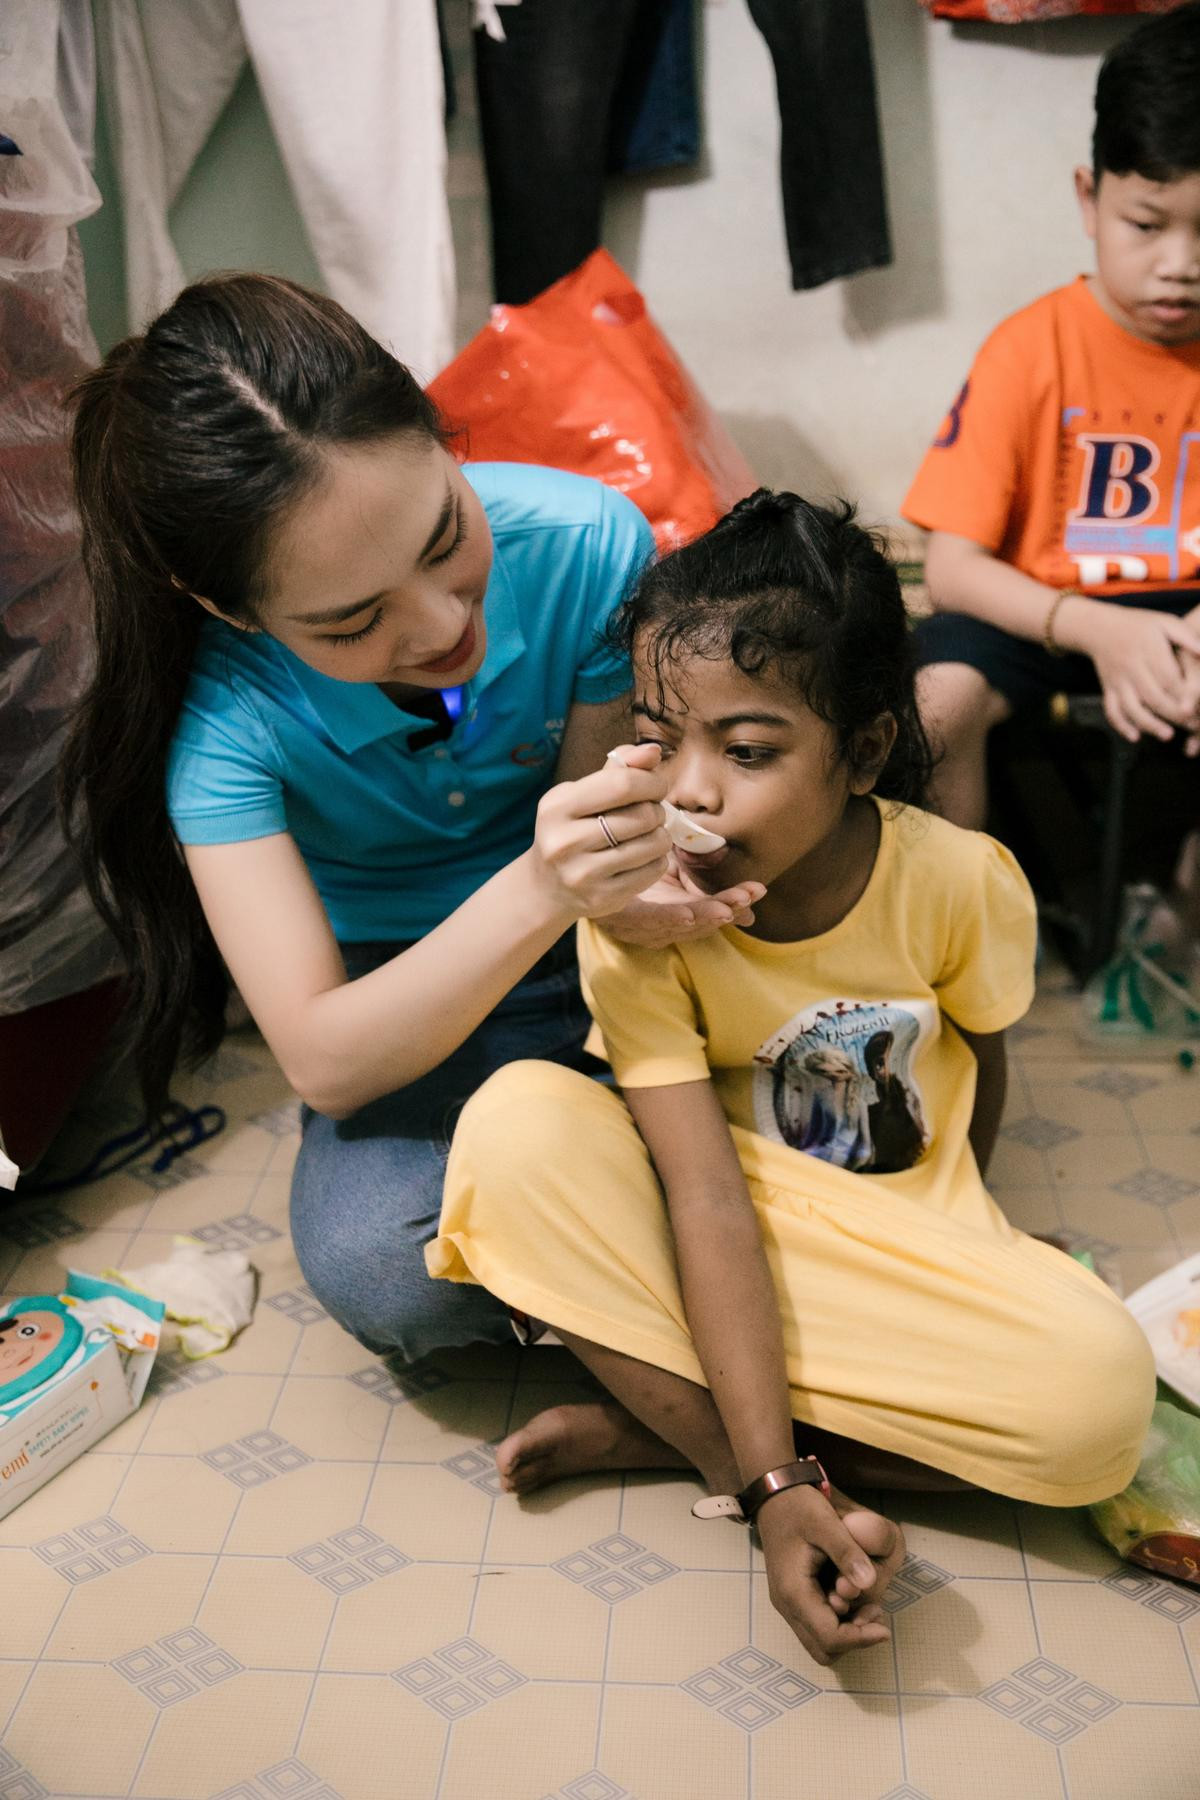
(36,1338)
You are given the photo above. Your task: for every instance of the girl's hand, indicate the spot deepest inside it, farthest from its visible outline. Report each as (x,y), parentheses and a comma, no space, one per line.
(673,911)
(807,1540)
(571,856)
(1139,657)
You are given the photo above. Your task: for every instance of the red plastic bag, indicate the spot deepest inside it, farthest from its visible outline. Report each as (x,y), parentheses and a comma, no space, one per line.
(1020,12)
(581,378)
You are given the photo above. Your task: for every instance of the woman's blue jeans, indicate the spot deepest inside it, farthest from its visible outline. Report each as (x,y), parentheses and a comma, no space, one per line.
(367,1190)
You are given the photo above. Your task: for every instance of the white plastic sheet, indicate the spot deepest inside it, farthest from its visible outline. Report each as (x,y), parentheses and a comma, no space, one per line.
(51,942)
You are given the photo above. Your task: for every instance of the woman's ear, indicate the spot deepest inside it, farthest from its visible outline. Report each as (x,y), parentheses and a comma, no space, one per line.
(871,748)
(211,607)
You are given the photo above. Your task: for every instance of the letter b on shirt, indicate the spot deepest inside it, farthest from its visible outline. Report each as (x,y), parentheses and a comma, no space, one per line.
(1116,478)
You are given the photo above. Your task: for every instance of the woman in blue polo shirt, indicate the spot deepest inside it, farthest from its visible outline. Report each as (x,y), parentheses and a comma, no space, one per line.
(365,692)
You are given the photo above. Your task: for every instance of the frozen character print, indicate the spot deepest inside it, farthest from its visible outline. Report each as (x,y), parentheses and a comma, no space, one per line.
(836,1082)
(896,1128)
(836,1129)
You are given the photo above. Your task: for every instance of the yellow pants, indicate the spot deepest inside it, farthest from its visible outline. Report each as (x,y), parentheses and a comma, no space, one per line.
(947,1337)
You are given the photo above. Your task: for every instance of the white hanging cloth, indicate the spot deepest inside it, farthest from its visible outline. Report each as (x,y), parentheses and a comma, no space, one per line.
(485,16)
(356,102)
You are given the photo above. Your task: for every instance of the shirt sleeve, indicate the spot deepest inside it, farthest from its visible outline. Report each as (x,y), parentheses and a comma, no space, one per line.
(969,482)
(223,784)
(645,1007)
(987,976)
(622,544)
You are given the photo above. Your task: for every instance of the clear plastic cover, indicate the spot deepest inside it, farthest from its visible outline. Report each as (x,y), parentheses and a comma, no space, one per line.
(51,941)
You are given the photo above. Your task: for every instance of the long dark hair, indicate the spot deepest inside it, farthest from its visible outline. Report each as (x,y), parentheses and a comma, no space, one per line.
(780,584)
(190,443)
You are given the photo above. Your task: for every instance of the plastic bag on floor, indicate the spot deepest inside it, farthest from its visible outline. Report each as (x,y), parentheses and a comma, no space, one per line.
(581,378)
(1156,1521)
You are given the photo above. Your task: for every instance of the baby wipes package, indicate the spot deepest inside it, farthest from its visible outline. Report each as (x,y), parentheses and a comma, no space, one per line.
(72,1365)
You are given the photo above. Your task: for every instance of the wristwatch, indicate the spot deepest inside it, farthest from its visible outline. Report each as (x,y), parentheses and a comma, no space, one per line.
(805,1473)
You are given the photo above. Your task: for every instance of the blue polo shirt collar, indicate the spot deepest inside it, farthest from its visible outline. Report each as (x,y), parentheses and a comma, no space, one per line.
(357,713)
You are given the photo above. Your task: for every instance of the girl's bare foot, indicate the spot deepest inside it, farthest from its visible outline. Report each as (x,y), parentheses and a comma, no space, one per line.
(569,1440)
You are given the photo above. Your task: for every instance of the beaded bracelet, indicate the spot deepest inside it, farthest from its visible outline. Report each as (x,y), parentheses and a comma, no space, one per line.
(1049,642)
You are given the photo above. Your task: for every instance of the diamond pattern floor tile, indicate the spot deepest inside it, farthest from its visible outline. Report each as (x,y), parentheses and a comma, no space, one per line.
(325,1596)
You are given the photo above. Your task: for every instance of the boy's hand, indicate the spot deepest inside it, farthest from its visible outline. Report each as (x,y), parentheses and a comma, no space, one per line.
(1191,675)
(806,1540)
(1140,659)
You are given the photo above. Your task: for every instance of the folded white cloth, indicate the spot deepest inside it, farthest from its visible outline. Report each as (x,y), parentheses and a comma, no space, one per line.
(208,1294)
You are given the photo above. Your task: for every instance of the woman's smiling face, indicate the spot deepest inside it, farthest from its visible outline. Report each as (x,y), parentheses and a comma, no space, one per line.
(378,574)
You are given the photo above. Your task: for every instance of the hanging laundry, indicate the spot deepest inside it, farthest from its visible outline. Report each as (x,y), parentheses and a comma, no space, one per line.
(830,153)
(567,94)
(656,108)
(358,116)
(1023,12)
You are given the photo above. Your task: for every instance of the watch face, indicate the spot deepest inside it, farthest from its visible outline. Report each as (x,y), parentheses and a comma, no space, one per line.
(36,1339)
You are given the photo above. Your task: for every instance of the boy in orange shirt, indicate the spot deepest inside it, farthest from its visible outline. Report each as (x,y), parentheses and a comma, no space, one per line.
(1062,492)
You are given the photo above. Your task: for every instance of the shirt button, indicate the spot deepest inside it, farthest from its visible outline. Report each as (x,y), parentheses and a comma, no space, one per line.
(440,755)
(456,798)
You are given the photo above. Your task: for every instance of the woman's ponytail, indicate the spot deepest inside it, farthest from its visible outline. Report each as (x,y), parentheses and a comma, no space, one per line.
(113,769)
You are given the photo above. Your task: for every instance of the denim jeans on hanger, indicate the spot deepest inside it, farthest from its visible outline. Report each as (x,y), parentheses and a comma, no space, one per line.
(656,110)
(572,91)
(831,160)
(576,90)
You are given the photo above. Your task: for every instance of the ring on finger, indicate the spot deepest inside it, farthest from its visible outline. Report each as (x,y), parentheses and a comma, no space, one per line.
(613,842)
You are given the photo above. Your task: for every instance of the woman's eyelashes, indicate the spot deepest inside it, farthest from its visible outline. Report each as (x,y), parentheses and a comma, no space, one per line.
(460,532)
(443,556)
(356,637)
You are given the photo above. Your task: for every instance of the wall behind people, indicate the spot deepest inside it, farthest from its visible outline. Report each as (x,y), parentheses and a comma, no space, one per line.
(838,389)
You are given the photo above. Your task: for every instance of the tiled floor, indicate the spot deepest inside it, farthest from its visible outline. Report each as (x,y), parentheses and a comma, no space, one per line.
(290,1577)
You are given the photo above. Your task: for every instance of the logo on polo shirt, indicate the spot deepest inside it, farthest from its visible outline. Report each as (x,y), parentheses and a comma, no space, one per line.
(535,753)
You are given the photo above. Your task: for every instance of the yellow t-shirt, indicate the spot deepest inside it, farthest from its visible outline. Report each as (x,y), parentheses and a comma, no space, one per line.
(837,1046)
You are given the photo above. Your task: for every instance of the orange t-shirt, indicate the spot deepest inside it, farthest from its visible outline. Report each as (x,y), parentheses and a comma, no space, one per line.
(1073,452)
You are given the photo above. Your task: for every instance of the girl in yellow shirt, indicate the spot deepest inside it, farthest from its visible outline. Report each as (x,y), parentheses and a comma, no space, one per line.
(776,1239)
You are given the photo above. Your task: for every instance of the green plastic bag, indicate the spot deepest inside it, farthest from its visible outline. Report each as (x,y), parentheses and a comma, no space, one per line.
(1156,1521)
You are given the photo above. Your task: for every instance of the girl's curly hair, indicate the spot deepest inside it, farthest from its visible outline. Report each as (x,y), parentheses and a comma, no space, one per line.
(802,591)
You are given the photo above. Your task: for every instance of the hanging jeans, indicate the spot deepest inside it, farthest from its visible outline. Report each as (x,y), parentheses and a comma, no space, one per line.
(656,110)
(831,161)
(355,99)
(568,93)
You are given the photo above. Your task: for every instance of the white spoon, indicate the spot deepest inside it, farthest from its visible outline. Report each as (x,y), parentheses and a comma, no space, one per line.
(682,830)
